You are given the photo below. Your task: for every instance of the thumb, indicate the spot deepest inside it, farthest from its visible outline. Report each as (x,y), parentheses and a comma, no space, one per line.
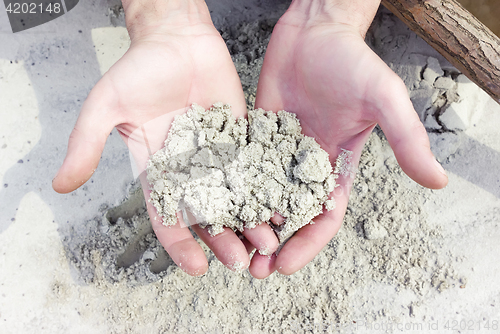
(408,138)
(86,143)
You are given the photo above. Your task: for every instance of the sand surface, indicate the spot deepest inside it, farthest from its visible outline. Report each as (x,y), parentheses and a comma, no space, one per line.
(407,259)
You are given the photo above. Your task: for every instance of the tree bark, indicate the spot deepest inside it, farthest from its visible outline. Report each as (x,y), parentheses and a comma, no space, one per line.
(458,35)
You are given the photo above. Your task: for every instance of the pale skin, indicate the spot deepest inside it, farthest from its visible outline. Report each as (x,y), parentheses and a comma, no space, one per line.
(317,65)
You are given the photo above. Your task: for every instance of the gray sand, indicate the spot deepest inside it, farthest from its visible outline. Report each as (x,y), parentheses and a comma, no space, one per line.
(385,243)
(90,262)
(232,173)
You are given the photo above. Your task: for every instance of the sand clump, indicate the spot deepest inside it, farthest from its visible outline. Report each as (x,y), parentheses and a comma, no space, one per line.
(236,173)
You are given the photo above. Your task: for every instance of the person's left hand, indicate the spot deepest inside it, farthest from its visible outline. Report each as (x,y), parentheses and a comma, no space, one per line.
(339,89)
(179,60)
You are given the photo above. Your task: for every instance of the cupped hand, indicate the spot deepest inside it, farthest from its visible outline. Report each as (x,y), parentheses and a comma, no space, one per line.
(339,89)
(162,73)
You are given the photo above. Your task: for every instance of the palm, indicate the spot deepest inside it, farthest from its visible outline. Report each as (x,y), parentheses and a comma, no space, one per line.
(333,84)
(339,89)
(156,78)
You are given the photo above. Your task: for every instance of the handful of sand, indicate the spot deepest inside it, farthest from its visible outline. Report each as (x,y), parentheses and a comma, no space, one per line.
(236,173)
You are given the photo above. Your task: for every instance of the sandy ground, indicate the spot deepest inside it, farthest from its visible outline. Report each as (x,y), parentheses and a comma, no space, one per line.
(406,260)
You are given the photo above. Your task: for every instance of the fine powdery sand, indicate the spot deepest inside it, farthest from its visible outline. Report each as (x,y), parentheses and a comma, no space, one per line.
(236,173)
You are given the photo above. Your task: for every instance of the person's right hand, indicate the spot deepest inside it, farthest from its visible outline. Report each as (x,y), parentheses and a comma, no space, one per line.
(176,58)
(318,66)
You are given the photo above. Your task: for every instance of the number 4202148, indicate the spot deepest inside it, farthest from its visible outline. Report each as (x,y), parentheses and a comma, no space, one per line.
(33,8)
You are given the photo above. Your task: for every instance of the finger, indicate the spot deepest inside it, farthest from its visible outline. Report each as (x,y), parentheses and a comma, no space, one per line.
(226,246)
(307,242)
(262,266)
(248,245)
(263,238)
(310,239)
(86,142)
(408,139)
(178,241)
(277,219)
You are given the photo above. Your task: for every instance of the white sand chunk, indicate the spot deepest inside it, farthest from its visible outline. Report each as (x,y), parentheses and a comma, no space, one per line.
(433,70)
(228,179)
(444,83)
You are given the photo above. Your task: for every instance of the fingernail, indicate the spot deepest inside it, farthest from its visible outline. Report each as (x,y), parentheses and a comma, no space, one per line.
(439,167)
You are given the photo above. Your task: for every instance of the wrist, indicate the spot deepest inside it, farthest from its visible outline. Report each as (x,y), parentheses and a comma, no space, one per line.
(155,17)
(353,13)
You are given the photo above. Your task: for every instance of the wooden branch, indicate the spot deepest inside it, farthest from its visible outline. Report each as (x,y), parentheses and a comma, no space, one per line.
(458,35)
